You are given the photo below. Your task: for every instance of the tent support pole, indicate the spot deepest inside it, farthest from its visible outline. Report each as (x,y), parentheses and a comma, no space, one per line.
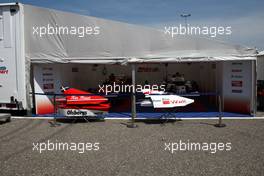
(133,98)
(220,124)
(254,87)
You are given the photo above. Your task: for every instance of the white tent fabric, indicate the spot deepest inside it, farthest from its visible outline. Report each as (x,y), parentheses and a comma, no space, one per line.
(118,42)
(261,53)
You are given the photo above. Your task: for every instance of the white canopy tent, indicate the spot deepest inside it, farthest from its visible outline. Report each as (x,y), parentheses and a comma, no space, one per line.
(261,53)
(122,43)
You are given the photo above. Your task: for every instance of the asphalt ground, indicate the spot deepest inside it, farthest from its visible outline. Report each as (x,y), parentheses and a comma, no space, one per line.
(126,151)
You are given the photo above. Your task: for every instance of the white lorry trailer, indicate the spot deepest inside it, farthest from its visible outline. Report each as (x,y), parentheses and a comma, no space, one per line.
(13,89)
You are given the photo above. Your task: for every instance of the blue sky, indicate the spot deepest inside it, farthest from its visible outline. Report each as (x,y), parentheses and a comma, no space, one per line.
(245,17)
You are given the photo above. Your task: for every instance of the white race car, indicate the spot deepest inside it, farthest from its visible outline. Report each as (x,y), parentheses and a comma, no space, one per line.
(160,99)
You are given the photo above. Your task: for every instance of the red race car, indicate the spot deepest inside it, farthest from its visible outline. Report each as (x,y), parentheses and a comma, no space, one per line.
(81,103)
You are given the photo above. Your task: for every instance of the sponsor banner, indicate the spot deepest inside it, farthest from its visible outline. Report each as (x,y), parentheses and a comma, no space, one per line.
(44,82)
(237,86)
(76,112)
(3,70)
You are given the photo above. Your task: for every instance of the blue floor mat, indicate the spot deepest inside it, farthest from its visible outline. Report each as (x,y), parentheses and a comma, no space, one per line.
(178,114)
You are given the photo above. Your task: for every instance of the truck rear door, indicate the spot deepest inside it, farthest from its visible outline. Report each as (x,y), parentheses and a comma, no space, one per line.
(8,62)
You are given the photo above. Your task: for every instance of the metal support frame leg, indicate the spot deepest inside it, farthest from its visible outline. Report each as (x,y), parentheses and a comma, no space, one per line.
(168,116)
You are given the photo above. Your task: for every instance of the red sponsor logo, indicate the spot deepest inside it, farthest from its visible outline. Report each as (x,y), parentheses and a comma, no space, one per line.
(148,69)
(48,86)
(4,72)
(237,83)
(166,101)
(173,101)
(236,70)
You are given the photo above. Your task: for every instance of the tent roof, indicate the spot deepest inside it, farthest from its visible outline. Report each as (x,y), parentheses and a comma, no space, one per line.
(117,42)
